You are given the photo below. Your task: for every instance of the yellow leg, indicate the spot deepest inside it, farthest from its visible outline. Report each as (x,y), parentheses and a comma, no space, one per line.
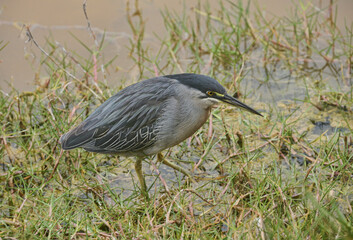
(138,169)
(161,159)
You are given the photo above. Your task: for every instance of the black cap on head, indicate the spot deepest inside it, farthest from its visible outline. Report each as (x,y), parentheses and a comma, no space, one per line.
(199,82)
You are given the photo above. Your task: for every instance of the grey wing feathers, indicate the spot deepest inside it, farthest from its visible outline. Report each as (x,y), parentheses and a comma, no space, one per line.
(125,122)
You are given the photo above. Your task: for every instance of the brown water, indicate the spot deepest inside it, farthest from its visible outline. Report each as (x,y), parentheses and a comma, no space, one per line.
(19,60)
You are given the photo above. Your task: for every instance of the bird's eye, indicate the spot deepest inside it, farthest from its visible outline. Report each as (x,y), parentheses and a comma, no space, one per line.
(210,93)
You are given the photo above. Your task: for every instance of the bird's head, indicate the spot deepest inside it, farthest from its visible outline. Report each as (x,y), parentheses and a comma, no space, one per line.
(210,90)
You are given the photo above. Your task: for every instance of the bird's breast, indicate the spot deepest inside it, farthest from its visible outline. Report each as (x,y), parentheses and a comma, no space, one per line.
(180,122)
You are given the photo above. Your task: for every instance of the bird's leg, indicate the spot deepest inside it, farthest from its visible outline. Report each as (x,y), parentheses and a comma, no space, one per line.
(161,159)
(138,169)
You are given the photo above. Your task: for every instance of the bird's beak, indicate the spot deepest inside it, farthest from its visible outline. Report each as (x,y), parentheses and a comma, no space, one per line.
(235,102)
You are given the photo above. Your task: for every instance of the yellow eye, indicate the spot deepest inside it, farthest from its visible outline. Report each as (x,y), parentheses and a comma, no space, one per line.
(210,93)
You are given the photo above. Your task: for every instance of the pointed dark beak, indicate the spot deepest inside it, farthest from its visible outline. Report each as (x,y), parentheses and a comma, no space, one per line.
(235,102)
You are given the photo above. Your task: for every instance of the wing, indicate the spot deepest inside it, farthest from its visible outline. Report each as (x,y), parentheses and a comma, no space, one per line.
(125,122)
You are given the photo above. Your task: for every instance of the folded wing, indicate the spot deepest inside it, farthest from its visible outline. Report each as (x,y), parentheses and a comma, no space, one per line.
(125,122)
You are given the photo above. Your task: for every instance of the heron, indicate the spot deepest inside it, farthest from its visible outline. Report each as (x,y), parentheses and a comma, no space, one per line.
(150,116)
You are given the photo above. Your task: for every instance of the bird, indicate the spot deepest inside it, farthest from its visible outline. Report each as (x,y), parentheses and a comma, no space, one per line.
(150,116)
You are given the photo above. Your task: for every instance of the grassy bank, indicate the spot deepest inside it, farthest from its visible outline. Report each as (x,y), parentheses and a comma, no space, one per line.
(285,176)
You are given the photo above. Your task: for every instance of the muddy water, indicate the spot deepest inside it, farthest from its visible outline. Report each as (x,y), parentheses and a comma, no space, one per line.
(19,60)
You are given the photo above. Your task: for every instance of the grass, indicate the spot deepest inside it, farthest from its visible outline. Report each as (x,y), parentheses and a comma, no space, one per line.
(285,176)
